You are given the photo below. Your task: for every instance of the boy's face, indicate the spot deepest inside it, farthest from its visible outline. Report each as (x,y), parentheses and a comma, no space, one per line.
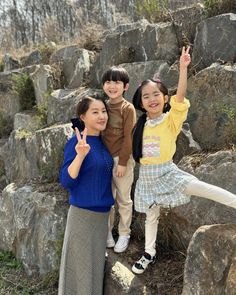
(114,89)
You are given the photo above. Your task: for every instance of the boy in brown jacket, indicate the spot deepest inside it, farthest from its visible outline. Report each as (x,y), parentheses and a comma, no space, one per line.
(118,139)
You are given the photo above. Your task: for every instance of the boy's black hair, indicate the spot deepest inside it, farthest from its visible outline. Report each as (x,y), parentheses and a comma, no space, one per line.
(116,74)
(138,129)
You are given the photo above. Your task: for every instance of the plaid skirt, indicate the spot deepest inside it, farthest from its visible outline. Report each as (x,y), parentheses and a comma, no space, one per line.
(161,184)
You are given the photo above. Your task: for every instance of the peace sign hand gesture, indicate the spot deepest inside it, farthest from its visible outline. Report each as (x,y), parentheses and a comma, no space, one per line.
(82,148)
(185,58)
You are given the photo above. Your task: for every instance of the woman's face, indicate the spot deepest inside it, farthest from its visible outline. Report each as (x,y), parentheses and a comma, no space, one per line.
(95,119)
(153,100)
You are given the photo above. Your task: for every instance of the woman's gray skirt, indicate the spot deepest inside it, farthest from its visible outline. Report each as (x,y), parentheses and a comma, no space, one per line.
(83,253)
(161,184)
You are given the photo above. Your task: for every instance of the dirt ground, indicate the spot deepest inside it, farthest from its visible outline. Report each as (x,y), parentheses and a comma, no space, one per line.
(165,277)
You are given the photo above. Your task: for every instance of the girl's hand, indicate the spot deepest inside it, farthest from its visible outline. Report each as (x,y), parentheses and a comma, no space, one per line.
(185,58)
(82,148)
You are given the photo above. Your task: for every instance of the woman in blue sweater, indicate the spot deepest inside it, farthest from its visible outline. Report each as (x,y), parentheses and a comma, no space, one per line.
(86,173)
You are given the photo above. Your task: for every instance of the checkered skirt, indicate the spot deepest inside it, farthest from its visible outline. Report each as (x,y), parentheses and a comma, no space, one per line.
(161,184)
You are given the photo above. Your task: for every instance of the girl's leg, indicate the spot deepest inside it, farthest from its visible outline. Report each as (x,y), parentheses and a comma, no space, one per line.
(211,192)
(151,224)
(148,256)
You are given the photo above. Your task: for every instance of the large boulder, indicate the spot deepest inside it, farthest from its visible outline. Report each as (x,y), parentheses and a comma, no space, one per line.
(32,225)
(149,42)
(212,115)
(218,169)
(215,40)
(9,100)
(10,63)
(156,69)
(74,63)
(210,266)
(42,78)
(28,155)
(62,104)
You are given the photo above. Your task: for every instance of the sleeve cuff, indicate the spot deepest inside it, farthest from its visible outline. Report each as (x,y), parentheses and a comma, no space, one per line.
(179,106)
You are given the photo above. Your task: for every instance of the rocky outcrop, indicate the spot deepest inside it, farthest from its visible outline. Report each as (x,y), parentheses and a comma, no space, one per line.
(75,64)
(208,48)
(28,155)
(62,104)
(218,169)
(42,79)
(136,45)
(213,106)
(32,225)
(210,265)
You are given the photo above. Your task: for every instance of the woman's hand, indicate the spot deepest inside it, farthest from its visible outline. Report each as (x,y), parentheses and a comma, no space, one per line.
(82,148)
(185,58)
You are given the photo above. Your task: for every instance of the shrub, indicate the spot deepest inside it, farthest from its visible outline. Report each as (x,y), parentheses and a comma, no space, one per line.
(24,87)
(152,10)
(6,123)
(1,66)
(216,7)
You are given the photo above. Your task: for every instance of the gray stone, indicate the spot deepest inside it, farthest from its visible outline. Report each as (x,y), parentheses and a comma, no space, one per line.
(218,169)
(62,104)
(43,83)
(212,115)
(9,101)
(32,226)
(10,63)
(29,155)
(75,64)
(210,264)
(27,120)
(215,40)
(156,69)
(34,58)
(136,45)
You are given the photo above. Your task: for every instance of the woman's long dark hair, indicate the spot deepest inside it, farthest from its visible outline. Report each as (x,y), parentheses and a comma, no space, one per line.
(137,144)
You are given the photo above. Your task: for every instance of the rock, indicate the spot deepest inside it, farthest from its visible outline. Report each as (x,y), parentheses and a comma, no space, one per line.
(34,58)
(42,79)
(75,64)
(29,155)
(207,48)
(62,104)
(27,120)
(218,169)
(210,264)
(32,226)
(212,114)
(156,69)
(136,45)
(10,63)
(9,101)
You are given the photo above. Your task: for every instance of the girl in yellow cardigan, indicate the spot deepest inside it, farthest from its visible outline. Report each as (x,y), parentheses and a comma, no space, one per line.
(161,183)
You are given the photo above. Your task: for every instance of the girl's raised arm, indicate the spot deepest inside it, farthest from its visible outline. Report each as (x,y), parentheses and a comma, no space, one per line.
(184,61)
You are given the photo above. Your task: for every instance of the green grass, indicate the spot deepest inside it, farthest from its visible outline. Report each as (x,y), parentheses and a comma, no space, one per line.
(14,280)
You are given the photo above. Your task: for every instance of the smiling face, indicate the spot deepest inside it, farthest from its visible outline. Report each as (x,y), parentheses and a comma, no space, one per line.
(95,118)
(114,90)
(153,100)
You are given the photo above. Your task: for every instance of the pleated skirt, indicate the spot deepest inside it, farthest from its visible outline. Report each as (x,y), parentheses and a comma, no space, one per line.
(83,253)
(162,185)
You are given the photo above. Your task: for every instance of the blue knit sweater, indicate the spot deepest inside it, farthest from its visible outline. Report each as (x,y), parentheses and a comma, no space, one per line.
(92,188)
